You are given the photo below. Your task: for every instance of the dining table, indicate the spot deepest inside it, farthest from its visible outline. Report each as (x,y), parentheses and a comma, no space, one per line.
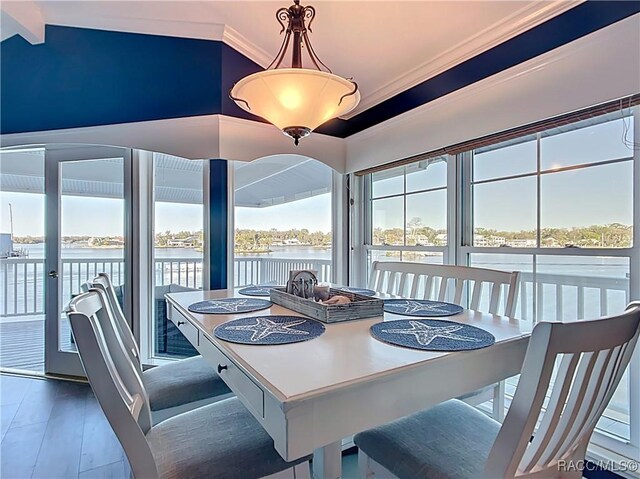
(310,395)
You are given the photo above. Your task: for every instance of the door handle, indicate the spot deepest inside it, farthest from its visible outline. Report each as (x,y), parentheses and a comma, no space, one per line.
(180,323)
(221,368)
(52,274)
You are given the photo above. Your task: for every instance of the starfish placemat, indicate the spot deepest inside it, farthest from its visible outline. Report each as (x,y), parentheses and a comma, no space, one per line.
(257,290)
(229,306)
(432,335)
(269,330)
(421,307)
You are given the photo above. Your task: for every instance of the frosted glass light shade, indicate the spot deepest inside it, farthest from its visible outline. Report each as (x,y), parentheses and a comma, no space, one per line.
(295,97)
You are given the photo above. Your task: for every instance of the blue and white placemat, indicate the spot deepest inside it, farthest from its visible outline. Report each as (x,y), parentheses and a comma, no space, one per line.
(421,307)
(269,330)
(229,306)
(432,335)
(257,290)
(363,291)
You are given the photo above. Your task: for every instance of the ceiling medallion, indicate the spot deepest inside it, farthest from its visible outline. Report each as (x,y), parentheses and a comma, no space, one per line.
(296,99)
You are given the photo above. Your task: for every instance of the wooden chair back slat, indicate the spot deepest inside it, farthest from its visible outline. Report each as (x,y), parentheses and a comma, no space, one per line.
(550,421)
(476,293)
(428,289)
(496,290)
(103,283)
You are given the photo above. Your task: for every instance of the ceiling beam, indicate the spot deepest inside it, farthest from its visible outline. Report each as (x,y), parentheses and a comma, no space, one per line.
(23,18)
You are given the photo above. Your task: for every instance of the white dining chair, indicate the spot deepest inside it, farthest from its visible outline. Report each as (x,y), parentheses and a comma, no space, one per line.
(218,440)
(454,440)
(174,387)
(448,283)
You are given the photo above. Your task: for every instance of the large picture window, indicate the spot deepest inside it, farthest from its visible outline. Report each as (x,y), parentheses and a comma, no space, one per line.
(178,244)
(282,219)
(557,205)
(408,213)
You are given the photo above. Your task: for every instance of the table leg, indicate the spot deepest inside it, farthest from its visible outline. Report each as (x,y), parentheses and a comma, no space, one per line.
(327,461)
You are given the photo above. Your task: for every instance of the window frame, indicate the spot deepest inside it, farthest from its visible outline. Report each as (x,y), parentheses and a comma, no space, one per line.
(368,246)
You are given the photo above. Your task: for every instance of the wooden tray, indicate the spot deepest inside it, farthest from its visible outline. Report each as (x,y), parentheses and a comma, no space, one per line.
(360,306)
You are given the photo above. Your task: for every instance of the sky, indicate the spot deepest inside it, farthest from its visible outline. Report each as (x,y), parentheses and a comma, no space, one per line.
(312,213)
(28,215)
(575,198)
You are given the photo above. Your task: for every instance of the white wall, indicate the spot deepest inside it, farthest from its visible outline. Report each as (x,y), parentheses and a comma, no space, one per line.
(198,137)
(599,67)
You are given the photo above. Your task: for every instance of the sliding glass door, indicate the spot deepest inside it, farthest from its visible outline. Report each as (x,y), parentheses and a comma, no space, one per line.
(86,191)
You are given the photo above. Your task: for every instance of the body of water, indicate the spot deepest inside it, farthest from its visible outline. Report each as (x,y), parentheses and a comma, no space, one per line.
(604,266)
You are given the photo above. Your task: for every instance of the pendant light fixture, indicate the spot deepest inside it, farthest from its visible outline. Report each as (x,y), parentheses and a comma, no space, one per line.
(297,100)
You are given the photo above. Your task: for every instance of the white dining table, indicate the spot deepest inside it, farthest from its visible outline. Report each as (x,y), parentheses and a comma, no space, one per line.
(310,395)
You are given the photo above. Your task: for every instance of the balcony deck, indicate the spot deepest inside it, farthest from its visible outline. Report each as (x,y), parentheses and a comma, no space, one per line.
(22,342)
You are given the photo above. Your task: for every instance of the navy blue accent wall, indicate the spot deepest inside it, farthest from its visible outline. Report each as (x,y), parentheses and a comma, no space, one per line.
(575,23)
(81,77)
(218,223)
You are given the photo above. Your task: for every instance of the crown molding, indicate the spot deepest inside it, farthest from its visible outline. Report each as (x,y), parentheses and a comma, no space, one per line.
(143,26)
(239,42)
(171,28)
(507,28)
(544,61)
(22,18)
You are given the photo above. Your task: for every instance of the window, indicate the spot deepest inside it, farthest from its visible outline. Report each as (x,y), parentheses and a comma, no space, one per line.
(558,206)
(22,253)
(178,244)
(567,187)
(283,219)
(408,213)
(548,205)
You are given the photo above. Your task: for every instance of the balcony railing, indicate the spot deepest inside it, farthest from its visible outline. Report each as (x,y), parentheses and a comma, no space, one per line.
(563,296)
(21,279)
(21,283)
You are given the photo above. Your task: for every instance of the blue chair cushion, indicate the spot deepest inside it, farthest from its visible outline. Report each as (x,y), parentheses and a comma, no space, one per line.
(449,441)
(221,440)
(182,382)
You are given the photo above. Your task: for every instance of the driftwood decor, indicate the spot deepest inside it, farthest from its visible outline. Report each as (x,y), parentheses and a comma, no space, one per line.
(359,306)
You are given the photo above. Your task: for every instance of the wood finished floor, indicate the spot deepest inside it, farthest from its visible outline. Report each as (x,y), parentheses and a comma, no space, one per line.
(56,430)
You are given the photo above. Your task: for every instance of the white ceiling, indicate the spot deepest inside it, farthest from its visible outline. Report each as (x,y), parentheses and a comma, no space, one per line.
(265,182)
(385,46)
